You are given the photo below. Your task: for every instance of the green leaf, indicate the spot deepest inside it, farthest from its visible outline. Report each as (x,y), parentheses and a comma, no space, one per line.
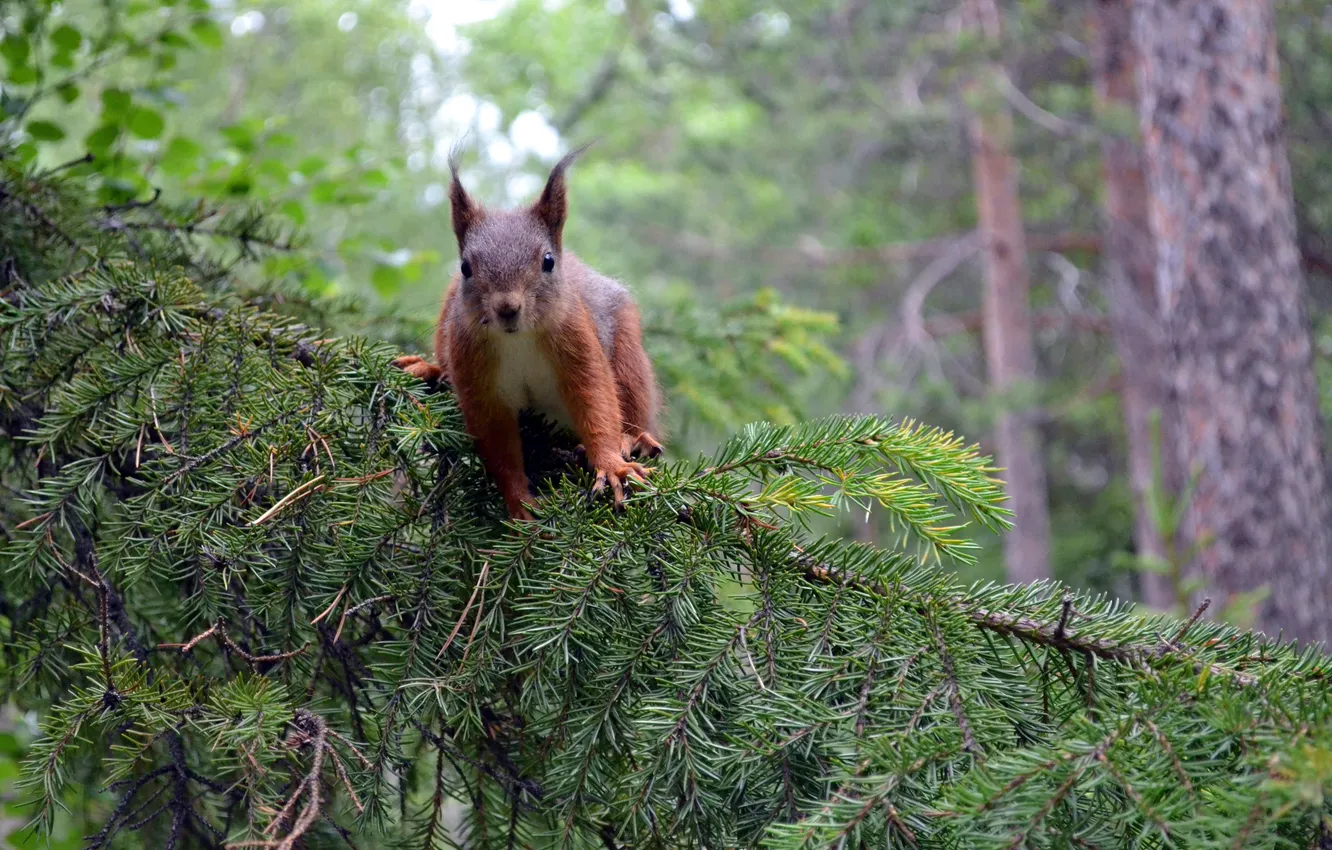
(22,75)
(15,49)
(312,165)
(240,137)
(68,93)
(62,59)
(274,170)
(174,39)
(45,131)
(100,140)
(146,123)
(239,185)
(374,179)
(123,188)
(324,192)
(66,38)
(294,211)
(115,103)
(386,280)
(181,156)
(206,33)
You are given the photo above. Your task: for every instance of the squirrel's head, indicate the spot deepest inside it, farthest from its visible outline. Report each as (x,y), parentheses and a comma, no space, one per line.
(511,260)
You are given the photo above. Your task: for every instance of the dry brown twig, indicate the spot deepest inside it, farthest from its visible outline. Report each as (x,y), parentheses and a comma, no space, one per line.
(308,795)
(311,486)
(480,581)
(219,631)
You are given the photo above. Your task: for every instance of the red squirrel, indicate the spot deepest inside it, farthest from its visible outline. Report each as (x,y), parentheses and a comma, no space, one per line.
(527,325)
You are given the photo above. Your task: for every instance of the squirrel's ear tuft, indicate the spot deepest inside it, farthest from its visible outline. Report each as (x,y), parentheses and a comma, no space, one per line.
(553,205)
(466,212)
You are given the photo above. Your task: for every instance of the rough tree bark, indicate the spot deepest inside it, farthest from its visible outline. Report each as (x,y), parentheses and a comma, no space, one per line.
(1232,298)
(1010,353)
(1129,261)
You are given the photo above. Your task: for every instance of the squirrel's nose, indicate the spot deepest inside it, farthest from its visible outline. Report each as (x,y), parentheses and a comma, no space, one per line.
(507,312)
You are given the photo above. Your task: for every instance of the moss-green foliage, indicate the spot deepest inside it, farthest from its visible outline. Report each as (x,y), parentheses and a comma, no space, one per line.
(256,586)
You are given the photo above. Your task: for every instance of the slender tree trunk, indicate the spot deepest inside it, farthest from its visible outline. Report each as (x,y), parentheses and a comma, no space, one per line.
(1010,353)
(1129,262)
(1232,298)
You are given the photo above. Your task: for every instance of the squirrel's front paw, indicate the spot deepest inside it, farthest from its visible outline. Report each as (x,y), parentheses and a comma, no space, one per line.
(418,368)
(644,445)
(617,474)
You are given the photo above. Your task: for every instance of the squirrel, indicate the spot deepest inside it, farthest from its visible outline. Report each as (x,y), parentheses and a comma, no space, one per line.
(527,325)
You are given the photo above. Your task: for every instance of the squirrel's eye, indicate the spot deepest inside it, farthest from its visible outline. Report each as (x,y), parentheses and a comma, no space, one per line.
(548,262)
(466,269)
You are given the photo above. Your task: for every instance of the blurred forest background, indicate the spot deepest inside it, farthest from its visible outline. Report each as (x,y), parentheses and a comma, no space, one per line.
(806,175)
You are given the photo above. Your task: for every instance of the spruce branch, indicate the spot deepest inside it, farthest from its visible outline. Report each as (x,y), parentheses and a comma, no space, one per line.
(218,631)
(186,462)
(1055,634)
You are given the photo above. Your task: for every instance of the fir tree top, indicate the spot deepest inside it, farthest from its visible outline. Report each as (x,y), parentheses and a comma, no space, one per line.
(261,594)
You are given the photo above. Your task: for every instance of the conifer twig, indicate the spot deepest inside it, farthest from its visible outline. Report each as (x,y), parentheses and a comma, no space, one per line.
(1046,634)
(955,694)
(303,490)
(896,819)
(1174,759)
(354,609)
(314,731)
(1065,611)
(480,580)
(1197,614)
(360,756)
(219,631)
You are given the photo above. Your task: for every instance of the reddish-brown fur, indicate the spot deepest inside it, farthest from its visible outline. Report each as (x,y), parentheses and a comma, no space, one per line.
(637,387)
(611,396)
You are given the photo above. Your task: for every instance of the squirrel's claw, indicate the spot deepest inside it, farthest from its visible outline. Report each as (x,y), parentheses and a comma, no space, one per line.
(599,486)
(617,477)
(636,471)
(644,445)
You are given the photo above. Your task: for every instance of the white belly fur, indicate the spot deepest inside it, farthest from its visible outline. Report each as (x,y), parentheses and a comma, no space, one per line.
(525,378)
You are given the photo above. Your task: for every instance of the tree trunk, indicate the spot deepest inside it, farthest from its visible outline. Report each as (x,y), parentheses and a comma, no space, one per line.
(1232,298)
(1009,351)
(1129,261)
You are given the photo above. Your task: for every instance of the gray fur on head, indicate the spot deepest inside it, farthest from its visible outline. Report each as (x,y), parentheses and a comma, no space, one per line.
(551,209)
(504,251)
